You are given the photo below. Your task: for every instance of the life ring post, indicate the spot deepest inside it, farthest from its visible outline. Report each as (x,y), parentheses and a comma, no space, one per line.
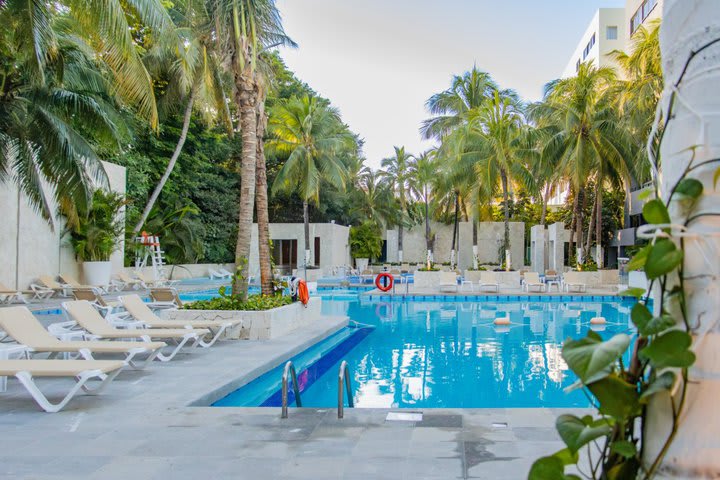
(384,282)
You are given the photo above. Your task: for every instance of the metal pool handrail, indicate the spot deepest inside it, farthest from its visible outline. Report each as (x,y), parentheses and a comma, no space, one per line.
(344,377)
(289,370)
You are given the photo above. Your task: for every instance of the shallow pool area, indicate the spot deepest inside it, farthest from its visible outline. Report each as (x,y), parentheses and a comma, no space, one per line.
(445,352)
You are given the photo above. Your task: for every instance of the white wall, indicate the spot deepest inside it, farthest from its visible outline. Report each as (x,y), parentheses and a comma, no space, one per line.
(334,243)
(490,237)
(603,18)
(31,247)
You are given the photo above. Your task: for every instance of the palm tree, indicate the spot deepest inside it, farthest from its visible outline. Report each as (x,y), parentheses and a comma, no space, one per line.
(187,59)
(245,28)
(55,98)
(492,143)
(375,199)
(588,137)
(422,173)
(396,173)
(312,136)
(451,108)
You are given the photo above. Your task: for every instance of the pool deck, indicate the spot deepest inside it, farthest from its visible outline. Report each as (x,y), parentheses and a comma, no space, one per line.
(143,427)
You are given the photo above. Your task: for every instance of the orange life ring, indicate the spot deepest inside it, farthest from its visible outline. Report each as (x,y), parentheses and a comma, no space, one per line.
(387,287)
(148,240)
(302,292)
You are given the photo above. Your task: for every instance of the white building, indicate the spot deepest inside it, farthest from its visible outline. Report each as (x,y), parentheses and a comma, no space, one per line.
(639,12)
(605,33)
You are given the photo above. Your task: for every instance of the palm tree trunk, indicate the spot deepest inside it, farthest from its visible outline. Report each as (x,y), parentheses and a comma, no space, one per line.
(573,220)
(545,199)
(475,240)
(245,97)
(306,222)
(578,214)
(427,221)
(453,255)
(170,166)
(400,242)
(261,203)
(506,214)
(591,225)
(598,228)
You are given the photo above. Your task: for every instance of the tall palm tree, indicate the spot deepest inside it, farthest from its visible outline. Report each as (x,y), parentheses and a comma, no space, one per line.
(55,96)
(589,138)
(186,58)
(396,173)
(494,147)
(375,199)
(450,109)
(423,172)
(312,136)
(244,29)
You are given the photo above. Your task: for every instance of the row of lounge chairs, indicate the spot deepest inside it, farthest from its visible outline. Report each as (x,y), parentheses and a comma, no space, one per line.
(136,333)
(46,287)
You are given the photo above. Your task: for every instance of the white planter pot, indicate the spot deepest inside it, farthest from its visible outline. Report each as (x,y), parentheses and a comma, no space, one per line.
(361,264)
(97,273)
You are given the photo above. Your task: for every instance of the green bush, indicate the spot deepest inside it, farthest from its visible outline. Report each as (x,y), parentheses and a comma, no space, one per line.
(97,233)
(365,241)
(254,303)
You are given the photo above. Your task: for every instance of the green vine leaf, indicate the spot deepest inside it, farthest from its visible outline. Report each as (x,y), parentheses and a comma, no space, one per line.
(663,258)
(635,292)
(624,448)
(655,212)
(716,176)
(690,188)
(549,468)
(647,324)
(567,457)
(592,359)
(617,398)
(670,350)
(577,432)
(638,261)
(624,470)
(662,383)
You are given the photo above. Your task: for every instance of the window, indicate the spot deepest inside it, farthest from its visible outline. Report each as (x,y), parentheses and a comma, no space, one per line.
(577,65)
(317,251)
(589,46)
(611,33)
(641,14)
(285,254)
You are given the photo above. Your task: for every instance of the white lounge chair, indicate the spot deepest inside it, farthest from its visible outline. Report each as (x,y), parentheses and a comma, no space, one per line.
(93,296)
(448,281)
(8,295)
(219,274)
(164,298)
(532,280)
(367,274)
(142,313)
(72,283)
(488,280)
(86,317)
(81,370)
(123,280)
(148,282)
(571,281)
(20,324)
(46,282)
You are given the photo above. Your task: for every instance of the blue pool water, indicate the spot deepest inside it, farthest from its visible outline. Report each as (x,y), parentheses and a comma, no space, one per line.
(445,353)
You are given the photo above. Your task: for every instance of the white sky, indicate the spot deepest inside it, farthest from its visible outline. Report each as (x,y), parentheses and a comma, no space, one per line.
(378,61)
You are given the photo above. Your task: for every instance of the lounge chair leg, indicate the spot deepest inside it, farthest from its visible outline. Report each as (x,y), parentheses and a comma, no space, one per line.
(139,365)
(27,380)
(188,336)
(219,333)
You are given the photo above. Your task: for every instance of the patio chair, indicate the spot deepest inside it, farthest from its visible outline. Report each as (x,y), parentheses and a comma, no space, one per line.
(397,276)
(219,274)
(20,324)
(448,281)
(81,370)
(8,295)
(532,281)
(571,281)
(123,280)
(142,313)
(165,297)
(71,282)
(148,282)
(94,297)
(85,316)
(46,282)
(488,280)
(366,274)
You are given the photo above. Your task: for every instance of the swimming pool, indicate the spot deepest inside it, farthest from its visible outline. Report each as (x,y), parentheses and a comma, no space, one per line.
(446,353)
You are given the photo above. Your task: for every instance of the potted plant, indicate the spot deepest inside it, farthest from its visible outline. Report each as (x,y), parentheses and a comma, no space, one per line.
(96,234)
(365,244)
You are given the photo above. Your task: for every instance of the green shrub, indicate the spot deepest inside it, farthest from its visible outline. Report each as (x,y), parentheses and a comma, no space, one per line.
(365,241)
(254,303)
(97,233)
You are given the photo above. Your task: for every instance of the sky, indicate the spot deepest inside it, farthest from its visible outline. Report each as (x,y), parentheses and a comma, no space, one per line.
(378,61)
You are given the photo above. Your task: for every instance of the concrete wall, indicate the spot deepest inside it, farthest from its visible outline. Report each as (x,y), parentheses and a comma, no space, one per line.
(334,243)
(603,18)
(31,247)
(490,237)
(632,6)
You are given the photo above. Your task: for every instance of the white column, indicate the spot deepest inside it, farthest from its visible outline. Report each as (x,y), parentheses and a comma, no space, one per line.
(694,127)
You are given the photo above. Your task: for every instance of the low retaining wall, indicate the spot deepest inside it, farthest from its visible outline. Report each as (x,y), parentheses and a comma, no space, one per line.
(599,278)
(261,325)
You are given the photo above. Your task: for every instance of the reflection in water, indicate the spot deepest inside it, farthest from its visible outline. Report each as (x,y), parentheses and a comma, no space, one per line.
(449,354)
